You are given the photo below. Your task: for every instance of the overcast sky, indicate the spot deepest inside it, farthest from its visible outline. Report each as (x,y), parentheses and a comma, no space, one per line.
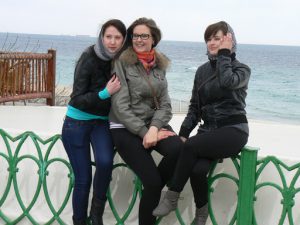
(254,21)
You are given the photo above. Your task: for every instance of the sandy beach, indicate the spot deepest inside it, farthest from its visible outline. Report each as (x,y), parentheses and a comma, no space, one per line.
(273,138)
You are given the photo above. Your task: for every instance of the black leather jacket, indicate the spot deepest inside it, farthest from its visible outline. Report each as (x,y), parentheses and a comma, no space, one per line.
(90,77)
(219,92)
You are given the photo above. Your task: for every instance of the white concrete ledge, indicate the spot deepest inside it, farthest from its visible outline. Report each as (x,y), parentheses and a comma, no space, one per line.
(273,138)
(280,140)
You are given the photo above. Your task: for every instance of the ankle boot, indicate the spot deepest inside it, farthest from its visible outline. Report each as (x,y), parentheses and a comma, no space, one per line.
(201,215)
(167,204)
(78,222)
(97,210)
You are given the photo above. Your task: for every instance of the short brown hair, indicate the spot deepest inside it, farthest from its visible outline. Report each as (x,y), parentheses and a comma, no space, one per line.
(150,23)
(214,28)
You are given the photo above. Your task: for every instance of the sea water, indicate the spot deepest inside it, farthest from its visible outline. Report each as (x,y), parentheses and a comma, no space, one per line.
(274,87)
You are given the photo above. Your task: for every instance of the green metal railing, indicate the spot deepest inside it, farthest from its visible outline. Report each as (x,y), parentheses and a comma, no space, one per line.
(288,191)
(43,163)
(247,171)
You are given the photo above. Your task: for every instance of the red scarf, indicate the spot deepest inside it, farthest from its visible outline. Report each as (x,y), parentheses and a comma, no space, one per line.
(147,59)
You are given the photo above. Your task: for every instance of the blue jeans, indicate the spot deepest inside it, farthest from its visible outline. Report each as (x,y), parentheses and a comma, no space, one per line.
(78,136)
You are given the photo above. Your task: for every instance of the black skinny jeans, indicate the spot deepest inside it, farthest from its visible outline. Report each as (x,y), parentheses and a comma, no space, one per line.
(130,148)
(198,153)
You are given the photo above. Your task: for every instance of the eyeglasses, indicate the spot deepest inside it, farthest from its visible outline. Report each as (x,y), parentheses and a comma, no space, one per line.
(142,36)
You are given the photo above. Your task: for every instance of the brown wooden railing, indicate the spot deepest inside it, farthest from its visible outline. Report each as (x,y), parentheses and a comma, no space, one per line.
(27,76)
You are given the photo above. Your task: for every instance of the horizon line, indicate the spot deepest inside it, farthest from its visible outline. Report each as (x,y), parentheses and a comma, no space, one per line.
(91,36)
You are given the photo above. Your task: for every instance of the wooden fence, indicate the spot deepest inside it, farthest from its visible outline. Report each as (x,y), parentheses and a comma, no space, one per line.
(27,76)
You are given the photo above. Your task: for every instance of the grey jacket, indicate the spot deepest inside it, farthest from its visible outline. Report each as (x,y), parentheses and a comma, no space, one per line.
(133,106)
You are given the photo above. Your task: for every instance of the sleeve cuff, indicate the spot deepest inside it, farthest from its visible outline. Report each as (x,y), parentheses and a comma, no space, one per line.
(104,94)
(143,132)
(157,123)
(184,132)
(224,51)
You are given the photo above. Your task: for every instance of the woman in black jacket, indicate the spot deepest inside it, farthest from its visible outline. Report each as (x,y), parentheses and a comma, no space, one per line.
(86,122)
(218,103)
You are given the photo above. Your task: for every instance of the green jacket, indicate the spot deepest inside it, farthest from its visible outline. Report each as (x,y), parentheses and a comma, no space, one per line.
(133,105)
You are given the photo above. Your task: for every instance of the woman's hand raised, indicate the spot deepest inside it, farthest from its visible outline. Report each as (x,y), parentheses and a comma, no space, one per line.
(227,42)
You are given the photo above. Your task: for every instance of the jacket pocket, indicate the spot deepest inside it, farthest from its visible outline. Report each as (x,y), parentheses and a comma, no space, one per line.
(134,80)
(159,75)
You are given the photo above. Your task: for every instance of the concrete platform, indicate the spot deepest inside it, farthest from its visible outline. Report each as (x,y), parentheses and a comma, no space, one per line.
(281,140)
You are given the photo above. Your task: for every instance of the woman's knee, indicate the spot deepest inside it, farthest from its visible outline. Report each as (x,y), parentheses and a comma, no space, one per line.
(104,161)
(172,147)
(83,183)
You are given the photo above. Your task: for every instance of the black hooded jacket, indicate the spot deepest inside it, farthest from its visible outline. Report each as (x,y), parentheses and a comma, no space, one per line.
(219,92)
(91,76)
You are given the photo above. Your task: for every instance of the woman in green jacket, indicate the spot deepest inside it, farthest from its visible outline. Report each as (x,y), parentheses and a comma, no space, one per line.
(140,114)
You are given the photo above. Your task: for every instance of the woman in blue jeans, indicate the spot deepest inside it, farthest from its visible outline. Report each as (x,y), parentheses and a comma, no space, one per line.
(86,124)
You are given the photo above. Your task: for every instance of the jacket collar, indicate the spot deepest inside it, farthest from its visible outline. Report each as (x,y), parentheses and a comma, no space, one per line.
(130,58)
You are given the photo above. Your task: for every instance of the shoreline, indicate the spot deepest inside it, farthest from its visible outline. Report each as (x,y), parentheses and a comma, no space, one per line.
(63,92)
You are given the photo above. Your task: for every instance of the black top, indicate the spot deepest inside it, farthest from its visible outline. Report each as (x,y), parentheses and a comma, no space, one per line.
(90,77)
(219,92)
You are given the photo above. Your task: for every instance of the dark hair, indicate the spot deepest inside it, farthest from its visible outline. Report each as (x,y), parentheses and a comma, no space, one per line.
(118,24)
(150,23)
(214,28)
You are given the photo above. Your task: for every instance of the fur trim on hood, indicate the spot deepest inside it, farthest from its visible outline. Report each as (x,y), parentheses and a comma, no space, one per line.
(130,57)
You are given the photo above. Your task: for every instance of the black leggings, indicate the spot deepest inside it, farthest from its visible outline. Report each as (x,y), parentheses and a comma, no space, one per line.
(199,151)
(130,148)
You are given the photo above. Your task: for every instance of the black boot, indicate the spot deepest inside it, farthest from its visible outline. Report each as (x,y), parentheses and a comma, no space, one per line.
(79,222)
(97,210)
